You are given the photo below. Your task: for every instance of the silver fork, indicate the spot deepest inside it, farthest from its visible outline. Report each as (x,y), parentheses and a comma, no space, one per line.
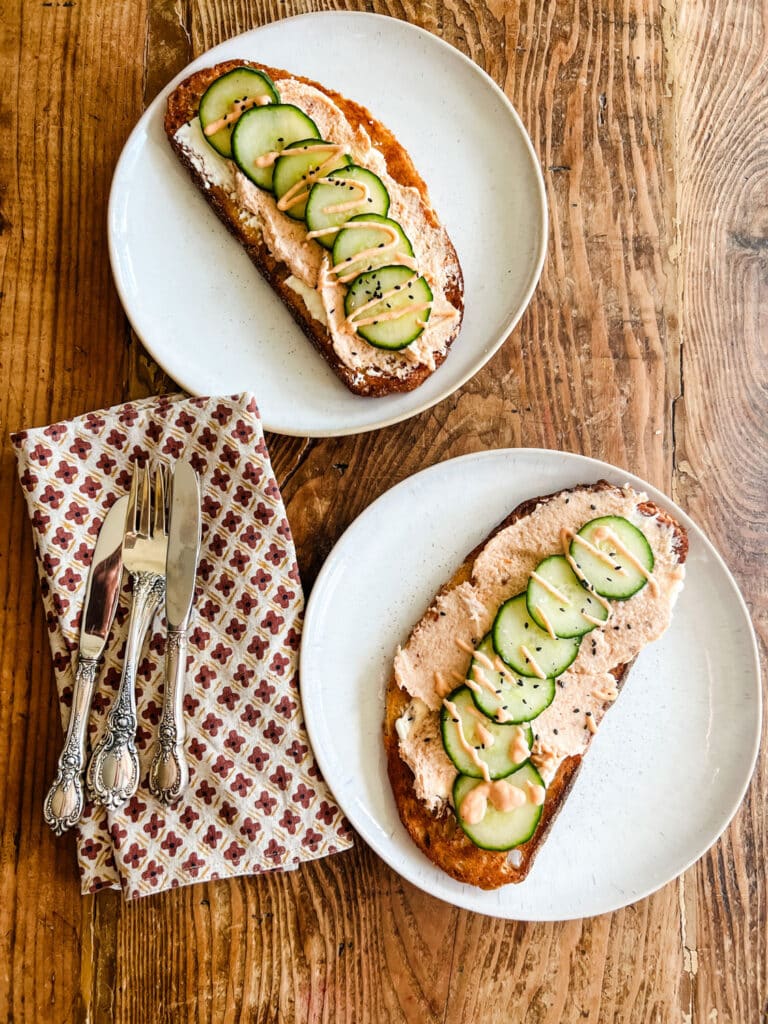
(113,772)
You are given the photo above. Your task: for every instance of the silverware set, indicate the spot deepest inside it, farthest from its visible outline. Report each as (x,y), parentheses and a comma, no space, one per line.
(154,533)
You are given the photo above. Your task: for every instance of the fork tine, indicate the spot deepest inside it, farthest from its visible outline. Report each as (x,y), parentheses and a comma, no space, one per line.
(145,506)
(131,520)
(158,526)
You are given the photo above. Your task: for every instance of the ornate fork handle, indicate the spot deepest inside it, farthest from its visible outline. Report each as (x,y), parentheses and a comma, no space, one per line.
(64,803)
(113,771)
(169,774)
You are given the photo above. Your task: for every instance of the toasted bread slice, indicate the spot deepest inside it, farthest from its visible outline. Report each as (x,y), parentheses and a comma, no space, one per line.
(183,105)
(436,831)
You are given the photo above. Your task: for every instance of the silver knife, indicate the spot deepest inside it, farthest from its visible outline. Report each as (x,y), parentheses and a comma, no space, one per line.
(169,774)
(63,805)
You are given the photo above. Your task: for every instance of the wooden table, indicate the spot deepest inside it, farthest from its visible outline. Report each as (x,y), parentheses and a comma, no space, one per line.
(642,346)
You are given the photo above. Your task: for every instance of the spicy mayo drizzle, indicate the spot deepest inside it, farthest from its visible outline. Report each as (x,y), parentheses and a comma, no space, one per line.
(464,743)
(503,795)
(606,533)
(566,536)
(392,241)
(299,191)
(239,107)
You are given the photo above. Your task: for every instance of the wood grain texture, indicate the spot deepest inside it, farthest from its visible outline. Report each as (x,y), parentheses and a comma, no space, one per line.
(644,345)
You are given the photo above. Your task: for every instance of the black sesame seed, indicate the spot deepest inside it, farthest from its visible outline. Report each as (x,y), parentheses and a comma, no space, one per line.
(593,507)
(526,625)
(575,711)
(427,739)
(498,692)
(589,714)
(535,686)
(560,683)
(456,721)
(520,682)
(629,625)
(281,140)
(567,500)
(555,732)
(536,736)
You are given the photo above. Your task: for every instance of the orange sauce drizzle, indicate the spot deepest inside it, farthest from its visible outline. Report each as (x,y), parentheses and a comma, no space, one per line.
(239,107)
(503,795)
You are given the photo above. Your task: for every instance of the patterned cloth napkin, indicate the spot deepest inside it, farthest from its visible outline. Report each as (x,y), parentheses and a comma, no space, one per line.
(256,801)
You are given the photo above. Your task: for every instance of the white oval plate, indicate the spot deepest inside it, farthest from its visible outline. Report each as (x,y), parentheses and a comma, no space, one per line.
(671,762)
(202,309)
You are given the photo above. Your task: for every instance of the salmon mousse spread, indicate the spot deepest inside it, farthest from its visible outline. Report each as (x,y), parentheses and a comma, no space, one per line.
(511,670)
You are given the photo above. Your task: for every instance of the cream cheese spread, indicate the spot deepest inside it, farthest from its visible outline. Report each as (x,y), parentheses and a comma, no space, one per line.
(309,263)
(436,651)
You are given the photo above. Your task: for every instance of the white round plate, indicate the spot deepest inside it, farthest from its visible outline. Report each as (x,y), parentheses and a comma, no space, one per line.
(671,762)
(202,309)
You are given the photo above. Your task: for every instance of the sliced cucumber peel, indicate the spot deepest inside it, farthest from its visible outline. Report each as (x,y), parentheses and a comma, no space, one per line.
(381,241)
(263,131)
(515,697)
(501,830)
(614,556)
(389,307)
(229,97)
(527,648)
(355,189)
(501,747)
(557,599)
(296,170)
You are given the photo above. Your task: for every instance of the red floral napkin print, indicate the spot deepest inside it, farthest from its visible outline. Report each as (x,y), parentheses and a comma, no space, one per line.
(256,801)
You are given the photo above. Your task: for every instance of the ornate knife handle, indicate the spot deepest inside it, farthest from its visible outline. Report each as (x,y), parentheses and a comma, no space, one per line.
(64,803)
(113,771)
(169,774)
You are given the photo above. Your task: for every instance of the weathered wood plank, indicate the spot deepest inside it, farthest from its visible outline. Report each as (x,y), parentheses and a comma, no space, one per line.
(68,102)
(720,431)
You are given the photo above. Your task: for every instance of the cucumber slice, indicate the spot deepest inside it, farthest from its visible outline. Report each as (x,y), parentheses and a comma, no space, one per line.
(360,188)
(514,630)
(263,131)
(562,600)
(517,698)
(390,315)
(303,162)
(495,744)
(501,830)
(230,96)
(617,574)
(373,237)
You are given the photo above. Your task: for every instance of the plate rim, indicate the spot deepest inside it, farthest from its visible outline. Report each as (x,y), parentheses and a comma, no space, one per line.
(597,465)
(483,357)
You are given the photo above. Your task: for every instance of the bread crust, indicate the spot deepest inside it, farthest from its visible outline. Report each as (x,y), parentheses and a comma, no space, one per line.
(183,104)
(440,837)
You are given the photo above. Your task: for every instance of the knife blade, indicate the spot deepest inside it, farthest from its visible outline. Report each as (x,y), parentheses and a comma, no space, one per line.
(183,547)
(64,802)
(169,774)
